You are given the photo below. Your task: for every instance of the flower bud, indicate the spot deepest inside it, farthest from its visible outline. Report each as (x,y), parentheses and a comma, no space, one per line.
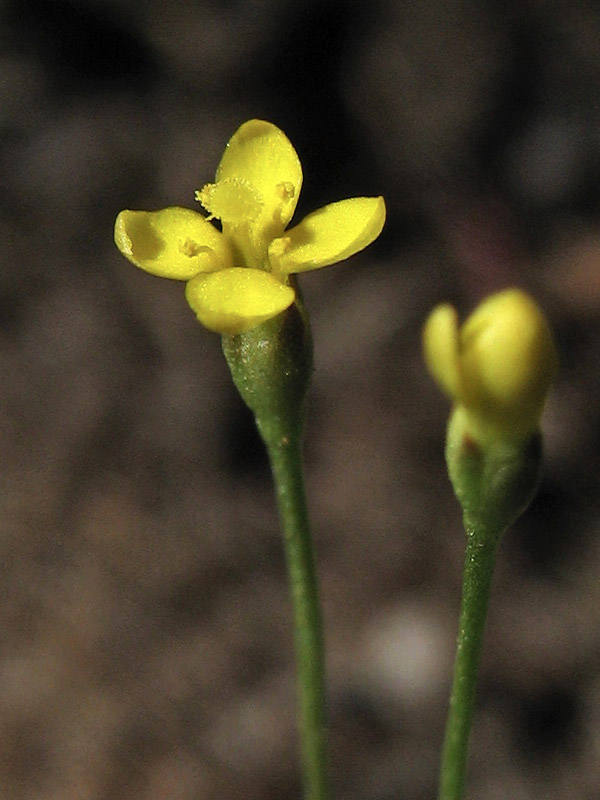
(498,366)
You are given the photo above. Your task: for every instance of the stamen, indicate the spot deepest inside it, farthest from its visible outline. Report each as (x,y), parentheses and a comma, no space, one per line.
(191,248)
(277,249)
(285,190)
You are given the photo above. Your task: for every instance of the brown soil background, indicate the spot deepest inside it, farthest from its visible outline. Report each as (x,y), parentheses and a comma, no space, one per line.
(145,648)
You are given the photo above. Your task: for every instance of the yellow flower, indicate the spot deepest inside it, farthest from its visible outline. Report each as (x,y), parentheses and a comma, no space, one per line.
(239,277)
(498,367)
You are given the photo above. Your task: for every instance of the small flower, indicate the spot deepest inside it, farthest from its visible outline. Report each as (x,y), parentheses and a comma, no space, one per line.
(238,277)
(498,367)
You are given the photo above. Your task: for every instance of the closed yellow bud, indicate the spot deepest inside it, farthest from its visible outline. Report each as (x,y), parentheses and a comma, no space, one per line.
(497,367)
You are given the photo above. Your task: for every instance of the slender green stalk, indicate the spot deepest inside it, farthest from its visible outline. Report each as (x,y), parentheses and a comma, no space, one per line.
(271,366)
(285,453)
(477,578)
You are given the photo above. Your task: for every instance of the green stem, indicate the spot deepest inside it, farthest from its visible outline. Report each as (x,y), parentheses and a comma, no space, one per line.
(477,578)
(285,454)
(271,366)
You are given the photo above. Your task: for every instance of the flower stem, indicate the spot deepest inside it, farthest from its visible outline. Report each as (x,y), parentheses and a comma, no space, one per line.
(285,454)
(271,366)
(477,578)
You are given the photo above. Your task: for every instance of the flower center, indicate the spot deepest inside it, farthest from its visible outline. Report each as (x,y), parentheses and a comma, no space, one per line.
(232,200)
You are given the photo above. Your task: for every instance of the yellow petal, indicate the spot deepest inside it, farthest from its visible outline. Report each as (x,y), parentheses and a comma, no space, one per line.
(235,300)
(440,348)
(508,360)
(261,156)
(171,243)
(329,235)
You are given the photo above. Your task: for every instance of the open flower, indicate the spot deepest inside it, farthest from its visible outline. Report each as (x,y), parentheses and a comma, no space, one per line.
(498,367)
(238,277)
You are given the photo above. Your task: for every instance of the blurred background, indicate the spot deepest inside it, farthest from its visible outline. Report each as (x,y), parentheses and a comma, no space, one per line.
(145,641)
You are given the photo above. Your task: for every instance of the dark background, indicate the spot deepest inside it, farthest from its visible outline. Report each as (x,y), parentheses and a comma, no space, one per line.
(145,645)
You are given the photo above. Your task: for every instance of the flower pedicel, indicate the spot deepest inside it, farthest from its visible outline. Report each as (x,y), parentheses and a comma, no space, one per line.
(497,368)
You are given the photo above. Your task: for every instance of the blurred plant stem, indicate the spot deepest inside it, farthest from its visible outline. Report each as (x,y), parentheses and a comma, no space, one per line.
(477,578)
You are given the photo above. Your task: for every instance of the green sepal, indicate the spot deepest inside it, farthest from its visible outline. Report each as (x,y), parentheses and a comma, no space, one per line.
(494,483)
(271,366)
